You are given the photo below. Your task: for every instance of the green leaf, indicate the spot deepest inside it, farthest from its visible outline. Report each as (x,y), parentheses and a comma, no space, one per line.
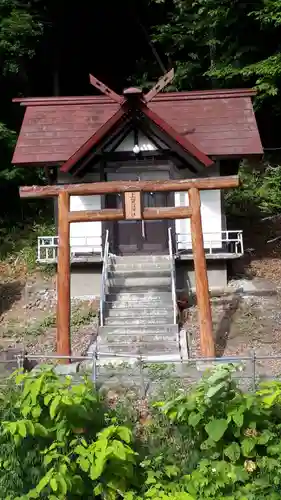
(31,494)
(98,490)
(30,427)
(22,429)
(48,459)
(248,445)
(40,430)
(118,450)
(151,479)
(216,429)
(26,410)
(62,484)
(265,436)
(238,418)
(84,463)
(125,434)
(54,406)
(208,444)
(270,400)
(43,482)
(36,412)
(54,484)
(194,419)
(215,389)
(171,471)
(47,399)
(12,428)
(233,452)
(97,468)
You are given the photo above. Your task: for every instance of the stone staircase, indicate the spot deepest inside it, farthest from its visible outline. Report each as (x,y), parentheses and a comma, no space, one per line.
(138,312)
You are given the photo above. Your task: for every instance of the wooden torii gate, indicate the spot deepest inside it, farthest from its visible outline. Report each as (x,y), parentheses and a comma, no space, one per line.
(132,210)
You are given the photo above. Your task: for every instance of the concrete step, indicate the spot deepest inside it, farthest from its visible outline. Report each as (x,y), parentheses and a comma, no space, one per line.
(148,312)
(146,295)
(149,283)
(141,266)
(137,304)
(168,329)
(121,259)
(138,273)
(138,289)
(139,348)
(141,321)
(125,338)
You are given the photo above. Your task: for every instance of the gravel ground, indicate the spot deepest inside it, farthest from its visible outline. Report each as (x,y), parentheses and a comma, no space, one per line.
(28,320)
(243,325)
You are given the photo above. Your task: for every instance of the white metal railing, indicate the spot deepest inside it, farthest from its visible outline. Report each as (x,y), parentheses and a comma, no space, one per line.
(221,242)
(104,277)
(173,273)
(47,248)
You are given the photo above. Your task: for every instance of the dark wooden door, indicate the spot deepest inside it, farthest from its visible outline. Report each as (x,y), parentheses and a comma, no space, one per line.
(155,232)
(143,237)
(128,234)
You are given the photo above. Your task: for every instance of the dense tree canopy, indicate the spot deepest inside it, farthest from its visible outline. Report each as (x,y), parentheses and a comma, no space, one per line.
(224,43)
(49,47)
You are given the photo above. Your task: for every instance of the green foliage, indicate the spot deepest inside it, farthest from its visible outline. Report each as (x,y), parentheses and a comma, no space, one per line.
(223,43)
(259,193)
(20,30)
(237,435)
(81,452)
(20,467)
(18,243)
(59,441)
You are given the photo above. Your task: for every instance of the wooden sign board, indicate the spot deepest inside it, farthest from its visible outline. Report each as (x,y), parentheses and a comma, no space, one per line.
(133,205)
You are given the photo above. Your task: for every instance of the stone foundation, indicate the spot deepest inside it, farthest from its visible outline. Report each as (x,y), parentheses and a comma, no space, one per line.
(185,275)
(86,278)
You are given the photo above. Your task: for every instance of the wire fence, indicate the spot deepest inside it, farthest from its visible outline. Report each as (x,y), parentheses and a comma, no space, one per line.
(148,376)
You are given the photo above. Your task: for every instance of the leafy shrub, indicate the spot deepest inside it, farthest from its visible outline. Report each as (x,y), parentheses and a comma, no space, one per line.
(20,467)
(236,435)
(259,193)
(81,452)
(60,441)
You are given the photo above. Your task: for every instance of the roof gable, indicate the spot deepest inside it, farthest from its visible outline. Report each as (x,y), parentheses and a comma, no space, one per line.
(138,115)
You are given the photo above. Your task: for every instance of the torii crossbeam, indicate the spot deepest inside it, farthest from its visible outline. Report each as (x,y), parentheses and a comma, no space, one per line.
(131,190)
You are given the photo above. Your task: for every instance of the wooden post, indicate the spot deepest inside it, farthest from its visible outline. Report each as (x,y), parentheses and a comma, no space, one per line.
(201,277)
(63,278)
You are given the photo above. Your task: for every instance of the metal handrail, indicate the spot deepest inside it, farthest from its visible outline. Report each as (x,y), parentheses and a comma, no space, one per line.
(173,273)
(214,241)
(104,277)
(47,247)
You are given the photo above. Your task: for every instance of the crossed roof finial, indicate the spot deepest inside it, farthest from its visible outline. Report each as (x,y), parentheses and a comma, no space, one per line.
(160,85)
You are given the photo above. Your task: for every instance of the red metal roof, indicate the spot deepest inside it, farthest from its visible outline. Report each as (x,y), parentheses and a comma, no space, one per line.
(101,132)
(218,123)
(184,142)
